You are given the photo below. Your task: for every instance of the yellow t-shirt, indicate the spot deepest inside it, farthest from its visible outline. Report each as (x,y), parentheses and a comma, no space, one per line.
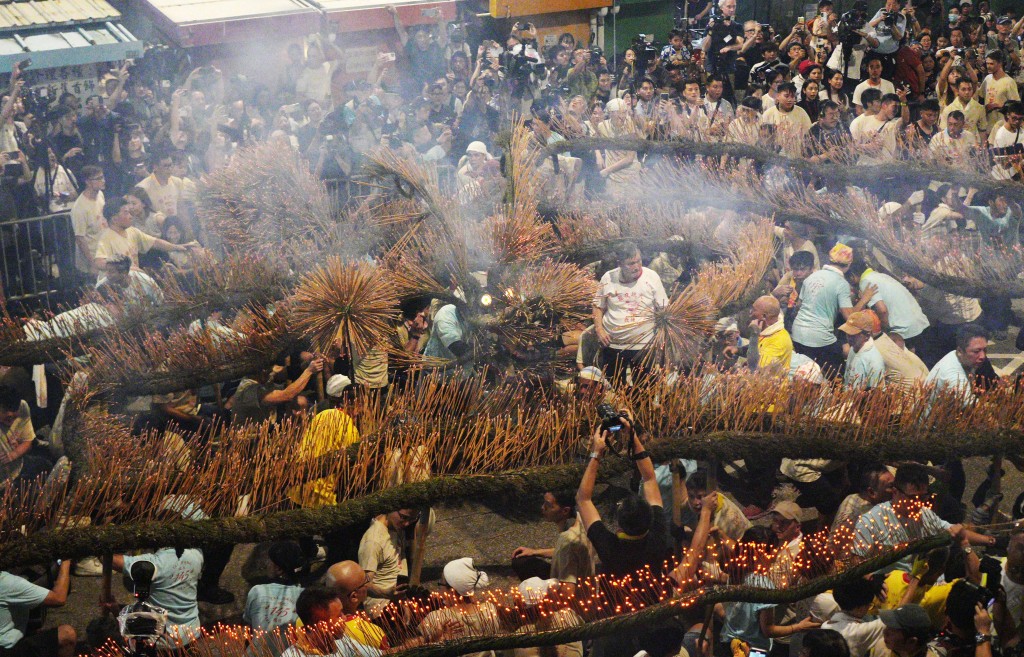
(933,600)
(330,431)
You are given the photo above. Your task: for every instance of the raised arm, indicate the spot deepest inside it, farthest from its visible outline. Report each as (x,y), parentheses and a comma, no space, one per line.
(403,35)
(585,493)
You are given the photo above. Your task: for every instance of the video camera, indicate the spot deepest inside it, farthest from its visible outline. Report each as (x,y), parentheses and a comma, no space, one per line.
(646,51)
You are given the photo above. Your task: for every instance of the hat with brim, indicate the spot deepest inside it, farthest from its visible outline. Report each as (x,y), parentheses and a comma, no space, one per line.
(909,618)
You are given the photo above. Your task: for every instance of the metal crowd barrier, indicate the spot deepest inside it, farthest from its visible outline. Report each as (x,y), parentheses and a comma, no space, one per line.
(38,260)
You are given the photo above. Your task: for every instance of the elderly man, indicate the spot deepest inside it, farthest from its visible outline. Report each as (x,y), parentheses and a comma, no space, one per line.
(350,582)
(774,346)
(624,313)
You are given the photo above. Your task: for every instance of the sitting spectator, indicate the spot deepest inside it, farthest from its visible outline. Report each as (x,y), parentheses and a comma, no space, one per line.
(572,557)
(323,632)
(16,434)
(17,597)
(350,582)
(269,606)
(382,551)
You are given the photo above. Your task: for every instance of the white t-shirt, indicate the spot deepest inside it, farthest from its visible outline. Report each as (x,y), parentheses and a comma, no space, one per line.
(175,587)
(164,197)
(790,128)
(87,221)
(870,129)
(131,244)
(271,605)
(315,83)
(883,85)
(629,307)
(1003,138)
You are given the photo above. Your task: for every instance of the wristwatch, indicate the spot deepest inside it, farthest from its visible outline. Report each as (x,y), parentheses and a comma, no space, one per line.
(968,550)
(982,638)
(595,455)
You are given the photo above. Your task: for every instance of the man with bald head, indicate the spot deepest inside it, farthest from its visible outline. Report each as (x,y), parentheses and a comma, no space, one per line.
(349,581)
(774,346)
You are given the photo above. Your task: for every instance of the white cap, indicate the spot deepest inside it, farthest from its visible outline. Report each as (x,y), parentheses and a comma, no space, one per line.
(477,147)
(615,105)
(336,385)
(592,373)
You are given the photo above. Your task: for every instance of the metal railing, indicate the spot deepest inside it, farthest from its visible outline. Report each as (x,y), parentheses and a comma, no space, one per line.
(37,259)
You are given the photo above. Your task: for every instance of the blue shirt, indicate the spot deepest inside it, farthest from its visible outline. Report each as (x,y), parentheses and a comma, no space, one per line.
(17,597)
(865,369)
(174,588)
(822,295)
(906,318)
(741,618)
(271,605)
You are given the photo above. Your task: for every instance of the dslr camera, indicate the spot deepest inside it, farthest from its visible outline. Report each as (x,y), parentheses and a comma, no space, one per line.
(611,422)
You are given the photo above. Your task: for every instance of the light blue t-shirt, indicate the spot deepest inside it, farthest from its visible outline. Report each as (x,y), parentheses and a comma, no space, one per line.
(17,597)
(271,605)
(865,368)
(822,295)
(948,374)
(906,318)
(741,618)
(445,330)
(174,588)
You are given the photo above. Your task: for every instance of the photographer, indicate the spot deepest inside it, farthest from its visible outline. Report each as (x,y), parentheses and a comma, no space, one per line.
(854,39)
(723,43)
(581,80)
(643,537)
(889,26)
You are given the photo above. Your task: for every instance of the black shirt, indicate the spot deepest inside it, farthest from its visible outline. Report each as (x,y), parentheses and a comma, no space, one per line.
(624,556)
(724,34)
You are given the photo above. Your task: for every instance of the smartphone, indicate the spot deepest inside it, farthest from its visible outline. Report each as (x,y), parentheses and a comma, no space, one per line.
(13,155)
(387,56)
(165,84)
(664,96)
(44,92)
(801,19)
(755,652)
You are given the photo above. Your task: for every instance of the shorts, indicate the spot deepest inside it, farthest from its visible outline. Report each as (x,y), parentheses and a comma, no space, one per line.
(41,644)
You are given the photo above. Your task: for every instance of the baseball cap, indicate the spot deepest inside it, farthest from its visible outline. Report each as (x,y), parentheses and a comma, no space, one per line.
(477,147)
(788,510)
(1004,20)
(858,322)
(336,385)
(592,373)
(909,618)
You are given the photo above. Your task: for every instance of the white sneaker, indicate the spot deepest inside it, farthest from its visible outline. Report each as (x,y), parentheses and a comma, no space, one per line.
(88,567)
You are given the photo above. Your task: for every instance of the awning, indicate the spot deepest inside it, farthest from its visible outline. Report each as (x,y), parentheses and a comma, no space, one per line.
(211,22)
(360,15)
(63,33)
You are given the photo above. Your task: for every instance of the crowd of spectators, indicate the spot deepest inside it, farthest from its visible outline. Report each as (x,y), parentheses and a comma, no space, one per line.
(902,84)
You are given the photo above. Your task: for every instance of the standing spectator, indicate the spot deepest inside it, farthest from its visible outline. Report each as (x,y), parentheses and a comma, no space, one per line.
(624,313)
(908,630)
(791,121)
(55,187)
(997,89)
(974,114)
(424,53)
(87,219)
(889,26)
(17,597)
(774,345)
(873,81)
(877,136)
(122,238)
(722,45)
(67,142)
(1005,140)
(164,189)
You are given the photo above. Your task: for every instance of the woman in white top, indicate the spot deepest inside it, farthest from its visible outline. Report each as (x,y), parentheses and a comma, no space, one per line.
(942,219)
(58,182)
(144,217)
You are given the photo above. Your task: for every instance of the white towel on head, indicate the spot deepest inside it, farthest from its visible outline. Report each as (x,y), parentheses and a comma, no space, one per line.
(463,576)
